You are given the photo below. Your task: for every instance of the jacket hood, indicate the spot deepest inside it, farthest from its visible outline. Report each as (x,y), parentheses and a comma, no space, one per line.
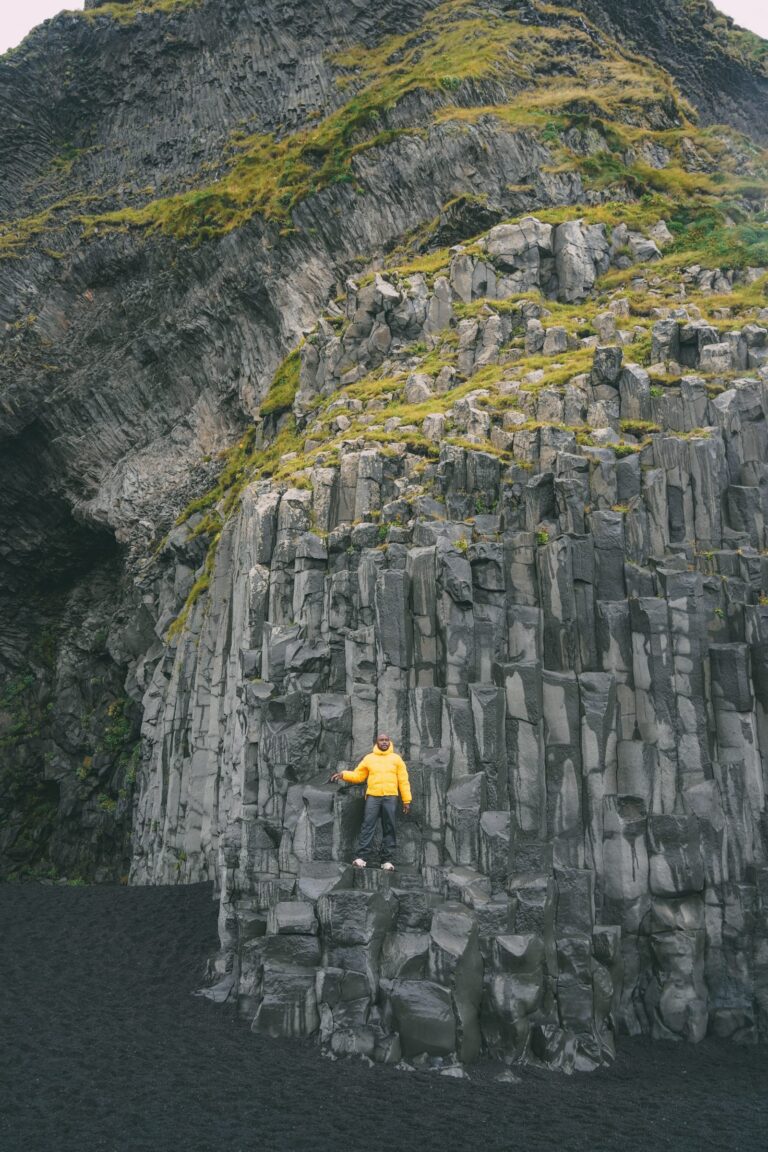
(388,752)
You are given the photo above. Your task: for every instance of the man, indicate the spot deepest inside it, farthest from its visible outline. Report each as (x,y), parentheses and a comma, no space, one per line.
(387,775)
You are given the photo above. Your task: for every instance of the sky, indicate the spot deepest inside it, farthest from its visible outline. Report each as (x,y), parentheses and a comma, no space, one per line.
(15,24)
(748,13)
(16,19)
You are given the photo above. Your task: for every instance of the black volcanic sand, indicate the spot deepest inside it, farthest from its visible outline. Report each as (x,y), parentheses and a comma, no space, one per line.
(103,1049)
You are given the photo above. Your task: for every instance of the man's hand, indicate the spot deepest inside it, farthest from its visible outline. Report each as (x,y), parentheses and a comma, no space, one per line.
(336,777)
(406,809)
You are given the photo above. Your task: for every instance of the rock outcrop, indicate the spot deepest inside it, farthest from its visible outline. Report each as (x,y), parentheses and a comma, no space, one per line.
(560,624)
(505,500)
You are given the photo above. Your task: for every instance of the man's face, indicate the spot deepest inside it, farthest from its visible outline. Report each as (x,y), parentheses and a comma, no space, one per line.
(382,742)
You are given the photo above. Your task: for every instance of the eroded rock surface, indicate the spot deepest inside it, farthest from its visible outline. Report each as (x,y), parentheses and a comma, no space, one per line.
(505,500)
(564,643)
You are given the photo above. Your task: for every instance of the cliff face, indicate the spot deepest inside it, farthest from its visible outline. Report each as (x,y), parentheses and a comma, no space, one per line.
(721,68)
(504,499)
(160,351)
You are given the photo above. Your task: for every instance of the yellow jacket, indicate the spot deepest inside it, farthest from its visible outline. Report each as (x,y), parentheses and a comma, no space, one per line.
(385,772)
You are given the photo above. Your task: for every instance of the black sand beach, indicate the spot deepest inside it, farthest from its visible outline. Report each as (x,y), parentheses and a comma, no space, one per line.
(103,1049)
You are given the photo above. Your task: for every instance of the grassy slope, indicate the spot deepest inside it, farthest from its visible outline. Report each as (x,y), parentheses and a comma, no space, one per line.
(458,42)
(127,13)
(559,74)
(744,46)
(269,176)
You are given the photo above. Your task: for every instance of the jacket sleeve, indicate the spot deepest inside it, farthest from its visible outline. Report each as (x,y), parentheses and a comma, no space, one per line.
(359,775)
(403,782)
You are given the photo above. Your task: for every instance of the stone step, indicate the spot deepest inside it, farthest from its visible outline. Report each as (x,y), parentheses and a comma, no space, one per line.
(372,878)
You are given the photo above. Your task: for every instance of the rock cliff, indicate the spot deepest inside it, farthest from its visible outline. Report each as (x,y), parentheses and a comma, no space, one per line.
(401,368)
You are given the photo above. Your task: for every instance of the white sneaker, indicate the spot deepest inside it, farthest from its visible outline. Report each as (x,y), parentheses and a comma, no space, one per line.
(359,863)
(387,867)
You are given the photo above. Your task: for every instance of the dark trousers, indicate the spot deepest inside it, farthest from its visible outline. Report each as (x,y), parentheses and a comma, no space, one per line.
(375,807)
